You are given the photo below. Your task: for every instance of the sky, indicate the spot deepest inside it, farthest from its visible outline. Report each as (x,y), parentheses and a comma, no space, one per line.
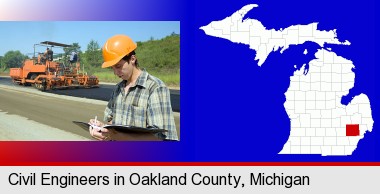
(22,36)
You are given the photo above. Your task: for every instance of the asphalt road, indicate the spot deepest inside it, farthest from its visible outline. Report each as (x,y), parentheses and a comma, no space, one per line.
(50,111)
(102,93)
(23,110)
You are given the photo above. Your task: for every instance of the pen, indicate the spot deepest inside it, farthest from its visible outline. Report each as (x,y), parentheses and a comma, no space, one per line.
(96,126)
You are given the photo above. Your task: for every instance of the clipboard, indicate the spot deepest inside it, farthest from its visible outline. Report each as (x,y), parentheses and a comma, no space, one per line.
(122,128)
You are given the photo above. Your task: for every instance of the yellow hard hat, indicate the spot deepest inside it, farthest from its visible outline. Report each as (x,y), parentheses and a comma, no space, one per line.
(116,48)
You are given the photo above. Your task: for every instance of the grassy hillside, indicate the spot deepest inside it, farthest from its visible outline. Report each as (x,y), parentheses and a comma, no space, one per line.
(160,55)
(161,58)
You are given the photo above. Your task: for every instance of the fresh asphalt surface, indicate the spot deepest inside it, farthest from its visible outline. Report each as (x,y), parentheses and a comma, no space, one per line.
(103,92)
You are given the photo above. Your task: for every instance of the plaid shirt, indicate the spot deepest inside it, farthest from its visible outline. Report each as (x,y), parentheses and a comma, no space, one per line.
(147,103)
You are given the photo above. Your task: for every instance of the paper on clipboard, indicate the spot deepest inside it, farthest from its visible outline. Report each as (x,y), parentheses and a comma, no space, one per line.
(122,128)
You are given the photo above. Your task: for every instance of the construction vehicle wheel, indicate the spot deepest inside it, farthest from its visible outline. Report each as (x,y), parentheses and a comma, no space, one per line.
(33,77)
(44,85)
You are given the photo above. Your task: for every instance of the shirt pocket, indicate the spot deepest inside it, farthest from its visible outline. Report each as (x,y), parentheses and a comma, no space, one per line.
(136,116)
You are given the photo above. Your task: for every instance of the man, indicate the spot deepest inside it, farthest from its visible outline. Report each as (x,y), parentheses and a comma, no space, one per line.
(140,99)
(73,57)
(48,54)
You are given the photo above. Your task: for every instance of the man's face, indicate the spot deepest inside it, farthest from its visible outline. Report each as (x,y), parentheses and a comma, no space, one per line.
(123,69)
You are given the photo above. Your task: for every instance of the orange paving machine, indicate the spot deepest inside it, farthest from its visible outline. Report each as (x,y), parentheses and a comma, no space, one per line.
(45,73)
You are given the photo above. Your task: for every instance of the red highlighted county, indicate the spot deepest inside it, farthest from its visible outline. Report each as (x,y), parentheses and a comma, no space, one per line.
(352,130)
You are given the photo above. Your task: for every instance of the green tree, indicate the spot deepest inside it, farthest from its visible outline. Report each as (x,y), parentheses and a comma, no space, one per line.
(1,63)
(13,59)
(93,54)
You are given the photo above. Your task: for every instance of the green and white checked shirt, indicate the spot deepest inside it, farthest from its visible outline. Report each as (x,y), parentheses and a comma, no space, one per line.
(147,103)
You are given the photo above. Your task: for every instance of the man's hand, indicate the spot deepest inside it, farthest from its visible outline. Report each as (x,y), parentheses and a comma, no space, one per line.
(98,132)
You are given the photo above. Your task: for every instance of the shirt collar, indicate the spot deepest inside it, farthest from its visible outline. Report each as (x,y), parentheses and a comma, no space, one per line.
(141,80)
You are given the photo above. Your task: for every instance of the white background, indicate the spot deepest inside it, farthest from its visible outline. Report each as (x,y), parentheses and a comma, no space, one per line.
(323,179)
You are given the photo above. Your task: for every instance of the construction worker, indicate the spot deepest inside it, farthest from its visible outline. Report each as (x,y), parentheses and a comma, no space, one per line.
(73,57)
(140,99)
(48,54)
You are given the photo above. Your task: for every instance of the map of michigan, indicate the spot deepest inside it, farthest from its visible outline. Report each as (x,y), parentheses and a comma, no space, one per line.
(320,123)
(252,32)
